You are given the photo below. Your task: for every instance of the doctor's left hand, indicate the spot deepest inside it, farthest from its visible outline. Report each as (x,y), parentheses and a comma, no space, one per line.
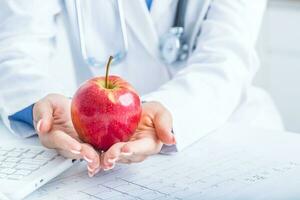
(154,130)
(52,121)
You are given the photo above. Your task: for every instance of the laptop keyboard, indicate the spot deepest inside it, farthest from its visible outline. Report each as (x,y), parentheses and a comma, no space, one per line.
(17,163)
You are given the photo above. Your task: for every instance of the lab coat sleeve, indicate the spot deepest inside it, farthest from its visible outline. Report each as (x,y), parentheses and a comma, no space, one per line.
(204,94)
(27,40)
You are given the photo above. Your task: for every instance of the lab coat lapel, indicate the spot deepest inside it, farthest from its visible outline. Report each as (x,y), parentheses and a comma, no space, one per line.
(139,20)
(161,8)
(162,14)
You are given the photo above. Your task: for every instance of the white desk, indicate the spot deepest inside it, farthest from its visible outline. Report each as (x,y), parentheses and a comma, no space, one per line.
(232,163)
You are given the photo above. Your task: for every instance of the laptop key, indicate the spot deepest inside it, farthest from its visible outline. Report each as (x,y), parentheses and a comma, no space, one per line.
(28,155)
(8,165)
(2,152)
(27,166)
(7,171)
(2,158)
(13,154)
(33,161)
(36,151)
(23,172)
(42,158)
(48,154)
(12,159)
(15,177)
(7,148)
(21,150)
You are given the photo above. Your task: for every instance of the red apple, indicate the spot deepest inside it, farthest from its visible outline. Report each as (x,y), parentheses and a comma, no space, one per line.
(105,110)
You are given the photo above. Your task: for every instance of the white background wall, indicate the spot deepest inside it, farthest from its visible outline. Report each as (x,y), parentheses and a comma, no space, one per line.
(279,49)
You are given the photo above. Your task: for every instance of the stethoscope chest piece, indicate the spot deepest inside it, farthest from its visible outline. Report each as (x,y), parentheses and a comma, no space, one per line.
(173,44)
(173,47)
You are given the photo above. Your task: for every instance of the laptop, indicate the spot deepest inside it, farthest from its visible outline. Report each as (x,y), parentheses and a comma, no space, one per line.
(25,168)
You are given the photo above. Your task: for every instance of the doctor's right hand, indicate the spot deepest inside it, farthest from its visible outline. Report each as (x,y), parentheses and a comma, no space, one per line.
(52,121)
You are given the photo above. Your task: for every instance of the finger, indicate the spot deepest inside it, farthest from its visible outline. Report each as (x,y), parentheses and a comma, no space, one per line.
(68,154)
(71,148)
(163,127)
(43,116)
(91,156)
(71,155)
(142,146)
(132,159)
(111,155)
(60,140)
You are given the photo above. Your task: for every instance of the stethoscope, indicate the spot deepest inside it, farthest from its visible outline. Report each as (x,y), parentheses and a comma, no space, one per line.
(173,45)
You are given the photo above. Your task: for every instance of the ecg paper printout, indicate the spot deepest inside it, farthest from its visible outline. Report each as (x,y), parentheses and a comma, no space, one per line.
(216,167)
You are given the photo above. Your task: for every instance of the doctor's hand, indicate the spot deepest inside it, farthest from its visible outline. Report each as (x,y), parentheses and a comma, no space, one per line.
(52,121)
(154,130)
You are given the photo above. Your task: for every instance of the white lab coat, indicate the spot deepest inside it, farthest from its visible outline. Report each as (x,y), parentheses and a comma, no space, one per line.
(214,86)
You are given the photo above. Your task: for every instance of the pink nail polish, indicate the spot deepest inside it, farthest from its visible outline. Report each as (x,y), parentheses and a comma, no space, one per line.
(87,159)
(112,160)
(38,126)
(109,168)
(90,169)
(75,152)
(126,153)
(97,170)
(90,174)
(174,140)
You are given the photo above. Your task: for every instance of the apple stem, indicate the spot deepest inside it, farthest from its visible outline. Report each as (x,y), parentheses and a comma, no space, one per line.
(107,70)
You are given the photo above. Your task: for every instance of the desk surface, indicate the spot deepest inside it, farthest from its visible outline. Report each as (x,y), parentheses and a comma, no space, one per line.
(232,163)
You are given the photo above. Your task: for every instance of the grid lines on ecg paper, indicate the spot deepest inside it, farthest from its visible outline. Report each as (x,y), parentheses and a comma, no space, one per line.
(210,173)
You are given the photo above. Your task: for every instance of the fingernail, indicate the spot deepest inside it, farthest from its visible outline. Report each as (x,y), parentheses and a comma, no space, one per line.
(91,172)
(112,160)
(87,159)
(97,170)
(38,126)
(75,152)
(126,153)
(109,168)
(174,140)
(90,169)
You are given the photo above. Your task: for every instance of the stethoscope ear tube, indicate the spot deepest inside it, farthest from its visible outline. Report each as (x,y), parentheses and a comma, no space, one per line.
(180,13)
(173,45)
(91,60)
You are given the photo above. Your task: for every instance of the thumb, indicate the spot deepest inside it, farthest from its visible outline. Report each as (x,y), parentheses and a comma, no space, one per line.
(43,116)
(163,127)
